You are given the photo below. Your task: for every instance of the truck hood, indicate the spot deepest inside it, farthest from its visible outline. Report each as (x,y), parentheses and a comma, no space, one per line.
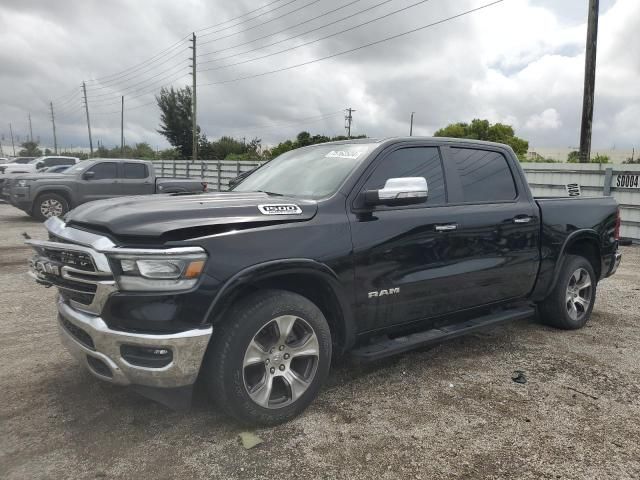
(180,216)
(36,176)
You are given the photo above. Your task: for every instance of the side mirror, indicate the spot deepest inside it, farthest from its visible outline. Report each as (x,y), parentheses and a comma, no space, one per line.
(88,175)
(39,165)
(399,191)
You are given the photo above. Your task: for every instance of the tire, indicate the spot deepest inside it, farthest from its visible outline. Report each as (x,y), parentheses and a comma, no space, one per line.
(49,205)
(274,380)
(576,283)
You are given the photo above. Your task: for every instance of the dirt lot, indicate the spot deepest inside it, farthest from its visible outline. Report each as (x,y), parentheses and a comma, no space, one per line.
(447,412)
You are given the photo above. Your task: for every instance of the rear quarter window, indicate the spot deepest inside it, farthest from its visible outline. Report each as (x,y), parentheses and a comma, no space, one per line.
(485,175)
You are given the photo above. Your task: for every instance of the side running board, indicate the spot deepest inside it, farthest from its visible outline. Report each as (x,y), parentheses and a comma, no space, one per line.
(388,347)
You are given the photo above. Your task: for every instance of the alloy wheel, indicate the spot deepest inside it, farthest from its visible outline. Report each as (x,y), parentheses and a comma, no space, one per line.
(579,293)
(281,361)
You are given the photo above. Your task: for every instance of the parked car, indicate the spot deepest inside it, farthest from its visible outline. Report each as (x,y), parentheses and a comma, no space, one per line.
(44,196)
(39,163)
(13,161)
(368,247)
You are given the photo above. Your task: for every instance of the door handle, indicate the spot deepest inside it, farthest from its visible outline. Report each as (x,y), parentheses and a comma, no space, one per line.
(522,219)
(446,228)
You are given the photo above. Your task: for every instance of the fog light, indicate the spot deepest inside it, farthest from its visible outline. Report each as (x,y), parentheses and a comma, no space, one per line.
(149,357)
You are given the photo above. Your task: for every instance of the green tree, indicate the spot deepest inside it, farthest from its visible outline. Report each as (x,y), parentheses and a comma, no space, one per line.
(573,157)
(175,119)
(30,149)
(484,130)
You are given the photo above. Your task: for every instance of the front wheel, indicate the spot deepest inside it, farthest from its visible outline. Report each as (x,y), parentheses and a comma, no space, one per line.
(269,357)
(49,205)
(570,303)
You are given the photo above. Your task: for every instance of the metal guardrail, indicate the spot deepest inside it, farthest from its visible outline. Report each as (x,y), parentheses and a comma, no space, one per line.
(216,173)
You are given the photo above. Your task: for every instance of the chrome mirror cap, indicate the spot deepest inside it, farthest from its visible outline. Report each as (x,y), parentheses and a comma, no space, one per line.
(408,187)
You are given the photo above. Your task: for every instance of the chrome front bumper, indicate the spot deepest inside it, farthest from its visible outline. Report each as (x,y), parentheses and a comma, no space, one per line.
(188,349)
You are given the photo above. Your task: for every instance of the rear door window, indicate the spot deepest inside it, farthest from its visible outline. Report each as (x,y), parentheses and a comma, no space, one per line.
(485,175)
(135,170)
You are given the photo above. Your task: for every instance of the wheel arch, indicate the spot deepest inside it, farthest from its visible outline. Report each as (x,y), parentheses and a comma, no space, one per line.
(64,193)
(309,278)
(585,243)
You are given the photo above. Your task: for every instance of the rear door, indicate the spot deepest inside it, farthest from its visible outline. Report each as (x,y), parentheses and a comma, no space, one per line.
(135,179)
(103,184)
(495,243)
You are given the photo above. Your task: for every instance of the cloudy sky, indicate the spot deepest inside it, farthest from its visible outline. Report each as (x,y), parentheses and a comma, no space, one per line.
(519,61)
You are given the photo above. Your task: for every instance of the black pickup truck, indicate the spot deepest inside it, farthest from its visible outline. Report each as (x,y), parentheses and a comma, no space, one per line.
(367,247)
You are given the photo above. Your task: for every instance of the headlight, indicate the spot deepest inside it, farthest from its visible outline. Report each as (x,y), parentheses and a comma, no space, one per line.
(23,183)
(158,273)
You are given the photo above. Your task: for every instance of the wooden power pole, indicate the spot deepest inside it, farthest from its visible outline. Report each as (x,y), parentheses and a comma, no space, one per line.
(411,125)
(589,81)
(53,121)
(122,129)
(194,117)
(86,109)
(348,118)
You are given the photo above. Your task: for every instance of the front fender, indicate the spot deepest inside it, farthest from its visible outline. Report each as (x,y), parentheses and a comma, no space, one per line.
(281,269)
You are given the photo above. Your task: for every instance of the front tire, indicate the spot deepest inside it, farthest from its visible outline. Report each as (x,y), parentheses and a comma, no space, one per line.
(269,357)
(49,205)
(570,303)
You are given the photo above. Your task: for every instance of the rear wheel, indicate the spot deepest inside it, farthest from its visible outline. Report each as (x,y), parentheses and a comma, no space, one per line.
(570,303)
(49,205)
(269,358)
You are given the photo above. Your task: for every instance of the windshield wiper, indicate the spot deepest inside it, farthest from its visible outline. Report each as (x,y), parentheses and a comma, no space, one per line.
(271,193)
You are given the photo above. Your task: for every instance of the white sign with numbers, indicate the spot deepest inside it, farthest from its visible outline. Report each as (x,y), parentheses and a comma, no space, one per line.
(628,180)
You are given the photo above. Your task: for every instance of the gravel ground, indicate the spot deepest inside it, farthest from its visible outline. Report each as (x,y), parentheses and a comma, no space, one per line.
(446,412)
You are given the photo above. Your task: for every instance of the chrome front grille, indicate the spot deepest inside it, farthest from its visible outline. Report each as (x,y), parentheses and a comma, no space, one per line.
(69,262)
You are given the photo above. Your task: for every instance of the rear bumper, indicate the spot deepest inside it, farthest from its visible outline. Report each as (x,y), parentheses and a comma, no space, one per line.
(615,263)
(99,349)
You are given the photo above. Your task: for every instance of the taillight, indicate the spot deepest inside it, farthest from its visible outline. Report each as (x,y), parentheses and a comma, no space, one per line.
(205,185)
(616,231)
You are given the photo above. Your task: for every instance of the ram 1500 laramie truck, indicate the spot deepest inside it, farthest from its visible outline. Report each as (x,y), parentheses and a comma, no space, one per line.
(53,195)
(368,247)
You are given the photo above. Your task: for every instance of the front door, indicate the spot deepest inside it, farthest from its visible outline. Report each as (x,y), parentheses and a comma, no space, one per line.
(402,257)
(102,184)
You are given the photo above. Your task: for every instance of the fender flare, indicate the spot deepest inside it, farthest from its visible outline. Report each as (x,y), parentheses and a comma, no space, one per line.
(64,191)
(584,233)
(279,268)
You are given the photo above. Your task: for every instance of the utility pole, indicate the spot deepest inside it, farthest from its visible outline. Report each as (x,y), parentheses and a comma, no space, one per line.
(348,118)
(589,81)
(30,129)
(86,108)
(411,125)
(194,117)
(13,145)
(53,121)
(122,129)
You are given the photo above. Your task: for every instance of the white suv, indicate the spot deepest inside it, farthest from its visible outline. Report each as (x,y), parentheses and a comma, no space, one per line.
(39,163)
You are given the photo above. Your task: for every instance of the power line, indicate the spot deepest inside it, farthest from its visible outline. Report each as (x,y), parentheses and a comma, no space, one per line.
(258,24)
(107,84)
(239,16)
(344,52)
(289,28)
(123,90)
(318,39)
(249,19)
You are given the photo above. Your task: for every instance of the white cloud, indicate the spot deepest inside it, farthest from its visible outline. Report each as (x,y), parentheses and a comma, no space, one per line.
(520,62)
(545,120)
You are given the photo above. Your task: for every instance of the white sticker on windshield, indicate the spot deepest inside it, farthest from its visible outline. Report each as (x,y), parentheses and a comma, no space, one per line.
(343,154)
(280,209)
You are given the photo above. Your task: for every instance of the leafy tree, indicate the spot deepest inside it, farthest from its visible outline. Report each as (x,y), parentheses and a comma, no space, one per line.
(484,130)
(30,149)
(303,139)
(175,119)
(574,157)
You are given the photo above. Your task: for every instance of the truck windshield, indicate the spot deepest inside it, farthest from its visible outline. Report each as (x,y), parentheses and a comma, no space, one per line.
(312,172)
(77,168)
